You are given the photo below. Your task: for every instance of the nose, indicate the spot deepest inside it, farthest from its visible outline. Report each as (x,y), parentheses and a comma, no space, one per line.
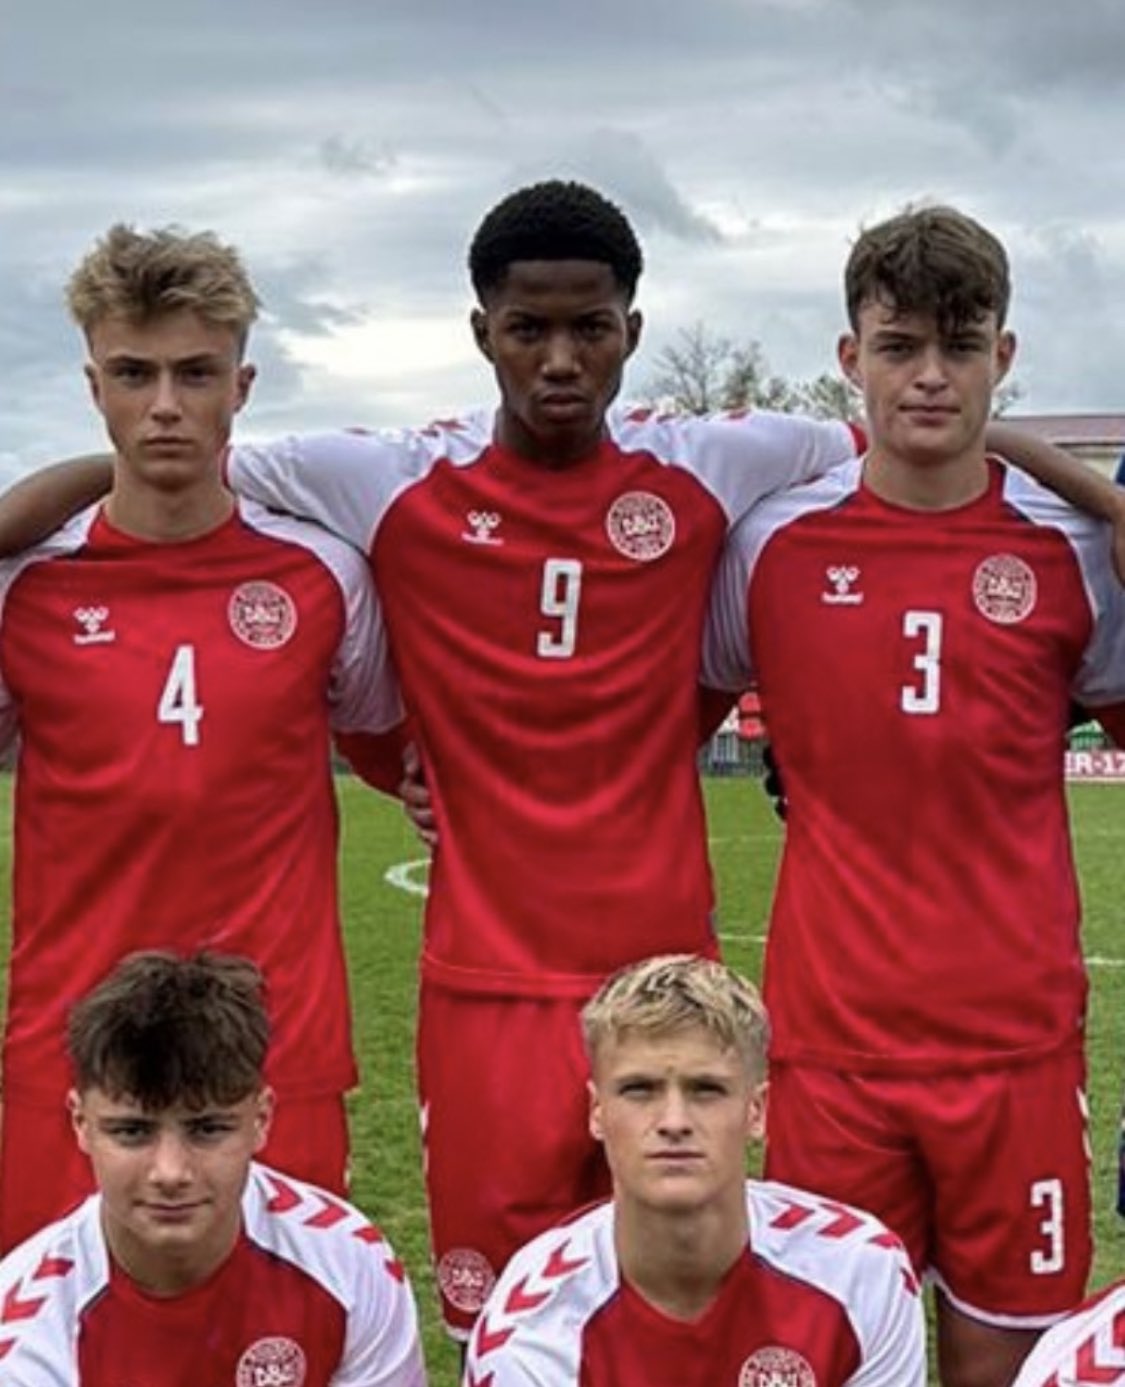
(674,1118)
(166,400)
(170,1165)
(560,358)
(932,374)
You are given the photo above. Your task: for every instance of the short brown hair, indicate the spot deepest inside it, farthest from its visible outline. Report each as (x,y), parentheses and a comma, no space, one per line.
(141,275)
(165,1030)
(930,260)
(674,992)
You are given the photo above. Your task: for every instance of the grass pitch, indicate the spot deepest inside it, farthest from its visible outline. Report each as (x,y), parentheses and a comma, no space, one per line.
(382,923)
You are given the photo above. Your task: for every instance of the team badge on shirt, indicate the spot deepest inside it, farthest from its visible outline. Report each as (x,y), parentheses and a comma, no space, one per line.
(92,621)
(776,1367)
(640,525)
(273,1362)
(1004,589)
(262,615)
(466,1278)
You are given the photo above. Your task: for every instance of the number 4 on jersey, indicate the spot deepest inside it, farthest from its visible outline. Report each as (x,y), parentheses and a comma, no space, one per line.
(178,702)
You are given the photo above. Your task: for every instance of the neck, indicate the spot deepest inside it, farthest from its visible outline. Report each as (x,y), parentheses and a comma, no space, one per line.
(937,484)
(168,516)
(677,1261)
(166,1273)
(553,453)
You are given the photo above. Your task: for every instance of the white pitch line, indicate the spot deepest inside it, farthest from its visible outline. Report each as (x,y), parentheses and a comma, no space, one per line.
(403,877)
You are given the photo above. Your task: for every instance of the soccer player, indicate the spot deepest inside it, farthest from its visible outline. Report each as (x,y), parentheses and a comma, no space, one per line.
(917,624)
(192,1263)
(548,562)
(691,1275)
(1086,1349)
(172,662)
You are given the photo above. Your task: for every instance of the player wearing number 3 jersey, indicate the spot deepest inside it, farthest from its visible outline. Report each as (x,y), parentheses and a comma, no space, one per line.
(172,664)
(917,625)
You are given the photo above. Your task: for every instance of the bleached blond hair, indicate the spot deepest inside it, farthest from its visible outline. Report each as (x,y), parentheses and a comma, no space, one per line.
(141,275)
(675,992)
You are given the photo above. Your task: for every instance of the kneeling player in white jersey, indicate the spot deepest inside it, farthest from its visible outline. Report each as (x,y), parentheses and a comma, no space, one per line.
(1084,1349)
(691,1275)
(193,1263)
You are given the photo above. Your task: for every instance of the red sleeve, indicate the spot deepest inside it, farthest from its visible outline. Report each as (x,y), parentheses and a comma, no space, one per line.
(377,757)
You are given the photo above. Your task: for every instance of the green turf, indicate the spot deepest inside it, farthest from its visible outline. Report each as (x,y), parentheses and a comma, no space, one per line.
(382,925)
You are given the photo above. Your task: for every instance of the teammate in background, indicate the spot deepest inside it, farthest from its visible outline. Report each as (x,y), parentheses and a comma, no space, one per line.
(192,1263)
(917,624)
(691,1275)
(171,663)
(1086,1349)
(550,561)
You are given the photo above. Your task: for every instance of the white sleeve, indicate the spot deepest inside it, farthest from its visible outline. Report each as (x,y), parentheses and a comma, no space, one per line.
(382,1347)
(363,692)
(726,636)
(347,480)
(741,456)
(504,1369)
(893,1330)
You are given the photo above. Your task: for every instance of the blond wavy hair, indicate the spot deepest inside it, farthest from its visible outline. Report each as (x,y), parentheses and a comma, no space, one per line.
(141,275)
(676,992)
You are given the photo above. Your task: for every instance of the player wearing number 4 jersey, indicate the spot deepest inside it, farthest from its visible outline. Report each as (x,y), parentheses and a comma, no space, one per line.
(917,625)
(171,665)
(692,1277)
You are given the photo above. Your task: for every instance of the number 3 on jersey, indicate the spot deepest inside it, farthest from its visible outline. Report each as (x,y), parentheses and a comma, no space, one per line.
(924,696)
(178,702)
(562,587)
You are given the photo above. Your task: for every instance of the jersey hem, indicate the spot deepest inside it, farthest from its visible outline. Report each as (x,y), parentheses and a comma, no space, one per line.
(962,1061)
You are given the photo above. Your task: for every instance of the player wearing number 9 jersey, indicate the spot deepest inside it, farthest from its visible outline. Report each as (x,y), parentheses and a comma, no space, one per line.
(172,664)
(917,625)
(543,571)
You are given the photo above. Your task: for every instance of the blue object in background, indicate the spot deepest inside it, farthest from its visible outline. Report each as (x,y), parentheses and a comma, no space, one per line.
(1119,475)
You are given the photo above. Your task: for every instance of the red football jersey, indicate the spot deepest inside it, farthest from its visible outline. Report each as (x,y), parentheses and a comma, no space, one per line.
(1087,1349)
(823,1294)
(311,1296)
(546,624)
(173,788)
(915,671)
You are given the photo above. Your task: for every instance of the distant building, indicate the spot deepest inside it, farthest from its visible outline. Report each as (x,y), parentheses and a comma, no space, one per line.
(1095,438)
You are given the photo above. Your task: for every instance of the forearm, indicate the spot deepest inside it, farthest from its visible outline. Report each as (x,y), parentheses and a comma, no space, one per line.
(39,503)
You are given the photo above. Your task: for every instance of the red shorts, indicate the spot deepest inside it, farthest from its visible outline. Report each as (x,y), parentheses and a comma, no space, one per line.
(505,1109)
(984,1175)
(43,1174)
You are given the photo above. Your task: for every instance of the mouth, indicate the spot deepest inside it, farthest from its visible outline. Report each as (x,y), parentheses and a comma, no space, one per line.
(167,444)
(563,404)
(170,1213)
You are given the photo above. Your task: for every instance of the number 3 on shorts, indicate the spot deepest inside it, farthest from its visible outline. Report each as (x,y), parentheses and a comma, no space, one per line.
(178,702)
(1048,1195)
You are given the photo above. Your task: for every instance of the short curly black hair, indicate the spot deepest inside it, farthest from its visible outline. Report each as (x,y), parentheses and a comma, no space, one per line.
(555,220)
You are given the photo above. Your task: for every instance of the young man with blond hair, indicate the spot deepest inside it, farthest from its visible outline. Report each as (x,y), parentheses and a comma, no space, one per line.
(193,1263)
(917,626)
(691,1275)
(172,662)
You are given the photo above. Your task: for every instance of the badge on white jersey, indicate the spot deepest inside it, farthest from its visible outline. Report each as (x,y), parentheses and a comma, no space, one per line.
(465,1277)
(640,525)
(262,615)
(776,1367)
(275,1362)
(1004,589)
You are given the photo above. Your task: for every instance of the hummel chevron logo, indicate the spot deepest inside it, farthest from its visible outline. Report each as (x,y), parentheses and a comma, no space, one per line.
(844,1223)
(793,1216)
(520,1299)
(489,1339)
(15,1309)
(284,1197)
(330,1214)
(557,1264)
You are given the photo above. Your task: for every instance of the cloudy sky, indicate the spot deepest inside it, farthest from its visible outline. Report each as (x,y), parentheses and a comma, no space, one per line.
(349,147)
